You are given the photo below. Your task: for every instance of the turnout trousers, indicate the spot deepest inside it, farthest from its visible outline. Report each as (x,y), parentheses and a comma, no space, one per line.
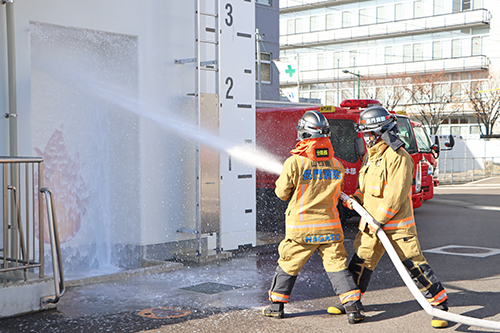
(369,250)
(293,256)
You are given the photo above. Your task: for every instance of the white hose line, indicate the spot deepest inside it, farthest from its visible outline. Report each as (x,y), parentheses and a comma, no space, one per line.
(408,280)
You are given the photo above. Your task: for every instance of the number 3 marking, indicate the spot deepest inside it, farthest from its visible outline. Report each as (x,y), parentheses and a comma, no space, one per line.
(229,7)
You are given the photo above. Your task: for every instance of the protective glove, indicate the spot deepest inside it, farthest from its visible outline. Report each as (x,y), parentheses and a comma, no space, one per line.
(348,203)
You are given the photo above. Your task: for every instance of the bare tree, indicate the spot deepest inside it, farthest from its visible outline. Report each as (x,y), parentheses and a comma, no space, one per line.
(484,98)
(387,90)
(431,99)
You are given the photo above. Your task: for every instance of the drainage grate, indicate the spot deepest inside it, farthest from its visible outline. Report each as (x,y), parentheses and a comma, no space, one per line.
(461,250)
(210,288)
(164,312)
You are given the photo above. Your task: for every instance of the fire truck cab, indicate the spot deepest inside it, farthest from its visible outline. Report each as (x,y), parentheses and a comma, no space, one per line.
(276,133)
(430,149)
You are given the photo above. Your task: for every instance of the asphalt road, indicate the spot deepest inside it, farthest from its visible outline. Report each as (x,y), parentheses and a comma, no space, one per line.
(458,231)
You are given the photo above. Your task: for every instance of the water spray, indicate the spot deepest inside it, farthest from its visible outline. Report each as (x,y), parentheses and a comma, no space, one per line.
(244,153)
(408,280)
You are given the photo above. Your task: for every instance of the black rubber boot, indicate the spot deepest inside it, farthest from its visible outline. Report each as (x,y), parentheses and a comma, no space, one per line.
(354,313)
(275,310)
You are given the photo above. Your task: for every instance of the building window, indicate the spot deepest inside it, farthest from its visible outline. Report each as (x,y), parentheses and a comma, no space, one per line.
(381,14)
(388,55)
(436,50)
(264,2)
(456,48)
(290,28)
(417,52)
(407,53)
(417,9)
(346,19)
(363,17)
(398,11)
(298,25)
(321,64)
(476,46)
(336,59)
(329,21)
(466,4)
(313,22)
(352,58)
(265,67)
(438,7)
(455,130)
(475,130)
(455,90)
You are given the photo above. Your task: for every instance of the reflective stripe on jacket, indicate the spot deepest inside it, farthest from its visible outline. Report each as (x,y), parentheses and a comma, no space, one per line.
(313,185)
(385,181)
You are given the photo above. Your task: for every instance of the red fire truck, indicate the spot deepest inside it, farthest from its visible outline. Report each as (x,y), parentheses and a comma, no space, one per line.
(430,150)
(275,132)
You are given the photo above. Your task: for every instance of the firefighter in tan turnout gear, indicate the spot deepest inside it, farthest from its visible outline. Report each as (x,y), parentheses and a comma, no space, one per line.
(385,181)
(312,180)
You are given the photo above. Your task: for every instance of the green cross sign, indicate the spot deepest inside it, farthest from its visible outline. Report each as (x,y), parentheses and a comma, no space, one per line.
(290,70)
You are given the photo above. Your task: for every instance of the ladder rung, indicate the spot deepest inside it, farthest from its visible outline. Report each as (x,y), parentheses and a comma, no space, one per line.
(185,61)
(208,42)
(211,62)
(213,69)
(208,14)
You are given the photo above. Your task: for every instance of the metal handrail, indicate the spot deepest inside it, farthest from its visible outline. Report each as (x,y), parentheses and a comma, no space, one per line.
(18,234)
(57,265)
(19,252)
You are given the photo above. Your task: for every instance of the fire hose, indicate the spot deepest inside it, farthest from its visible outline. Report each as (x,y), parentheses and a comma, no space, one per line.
(408,280)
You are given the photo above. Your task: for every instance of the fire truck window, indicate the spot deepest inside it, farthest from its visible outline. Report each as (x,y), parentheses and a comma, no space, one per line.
(406,134)
(342,136)
(423,139)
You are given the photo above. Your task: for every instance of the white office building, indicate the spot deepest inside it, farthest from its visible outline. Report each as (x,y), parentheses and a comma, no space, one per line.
(338,42)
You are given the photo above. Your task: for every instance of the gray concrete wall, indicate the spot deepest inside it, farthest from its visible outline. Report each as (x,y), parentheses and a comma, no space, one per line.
(267,21)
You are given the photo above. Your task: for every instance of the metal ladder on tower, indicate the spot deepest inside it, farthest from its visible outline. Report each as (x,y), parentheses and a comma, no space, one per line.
(206,45)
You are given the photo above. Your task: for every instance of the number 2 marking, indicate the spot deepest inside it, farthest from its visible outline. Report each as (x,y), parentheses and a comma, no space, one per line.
(229,80)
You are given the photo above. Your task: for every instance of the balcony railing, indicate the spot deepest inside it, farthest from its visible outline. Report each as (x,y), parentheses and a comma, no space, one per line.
(287,6)
(448,65)
(429,24)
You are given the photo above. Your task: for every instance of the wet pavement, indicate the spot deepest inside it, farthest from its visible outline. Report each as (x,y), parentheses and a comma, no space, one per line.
(228,295)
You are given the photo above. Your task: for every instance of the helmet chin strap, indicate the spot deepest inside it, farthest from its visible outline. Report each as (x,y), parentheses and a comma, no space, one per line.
(369,141)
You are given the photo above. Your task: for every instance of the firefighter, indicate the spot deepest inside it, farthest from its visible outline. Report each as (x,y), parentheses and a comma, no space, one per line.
(312,180)
(384,190)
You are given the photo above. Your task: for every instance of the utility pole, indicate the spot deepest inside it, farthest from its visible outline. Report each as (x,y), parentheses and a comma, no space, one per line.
(356,78)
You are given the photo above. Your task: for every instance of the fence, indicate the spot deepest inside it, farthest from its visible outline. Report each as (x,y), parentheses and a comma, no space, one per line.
(456,170)
(470,159)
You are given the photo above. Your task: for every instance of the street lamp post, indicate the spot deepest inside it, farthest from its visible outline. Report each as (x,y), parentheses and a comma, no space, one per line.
(357,76)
